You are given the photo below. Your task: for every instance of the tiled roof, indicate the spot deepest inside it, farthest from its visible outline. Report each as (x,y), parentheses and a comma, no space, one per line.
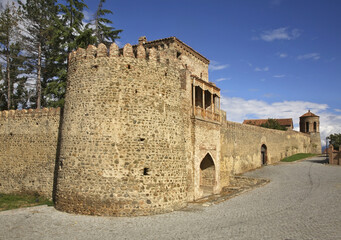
(258,122)
(309,114)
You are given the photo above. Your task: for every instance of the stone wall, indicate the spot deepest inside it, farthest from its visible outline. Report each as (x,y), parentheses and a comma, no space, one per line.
(123,140)
(241,145)
(334,156)
(28,143)
(206,136)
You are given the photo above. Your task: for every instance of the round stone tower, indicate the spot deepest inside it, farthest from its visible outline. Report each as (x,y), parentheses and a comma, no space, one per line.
(309,123)
(123,133)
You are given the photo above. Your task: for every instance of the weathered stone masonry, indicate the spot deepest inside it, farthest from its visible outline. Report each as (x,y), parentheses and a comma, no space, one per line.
(123,135)
(28,143)
(142,133)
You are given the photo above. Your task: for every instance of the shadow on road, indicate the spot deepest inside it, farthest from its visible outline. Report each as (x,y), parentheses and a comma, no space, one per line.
(319,159)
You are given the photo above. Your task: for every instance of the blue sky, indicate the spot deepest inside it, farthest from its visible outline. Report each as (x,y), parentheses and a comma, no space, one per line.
(270,58)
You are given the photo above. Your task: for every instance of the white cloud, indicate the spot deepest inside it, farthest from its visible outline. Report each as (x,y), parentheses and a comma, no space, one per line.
(312,56)
(279,76)
(4,2)
(88,16)
(282,55)
(238,109)
(265,69)
(214,66)
(337,110)
(222,79)
(279,34)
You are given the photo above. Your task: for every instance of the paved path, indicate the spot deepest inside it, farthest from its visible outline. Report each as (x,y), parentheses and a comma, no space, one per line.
(302,201)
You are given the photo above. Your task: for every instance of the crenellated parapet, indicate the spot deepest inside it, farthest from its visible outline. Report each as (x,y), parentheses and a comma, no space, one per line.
(128,51)
(29,113)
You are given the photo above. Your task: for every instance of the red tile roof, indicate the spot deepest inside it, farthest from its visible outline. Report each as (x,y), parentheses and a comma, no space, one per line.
(287,122)
(309,114)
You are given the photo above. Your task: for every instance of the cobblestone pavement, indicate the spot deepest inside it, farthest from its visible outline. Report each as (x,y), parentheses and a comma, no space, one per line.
(302,201)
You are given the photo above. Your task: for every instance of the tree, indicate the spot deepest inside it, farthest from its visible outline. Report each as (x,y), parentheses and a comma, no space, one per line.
(8,31)
(104,33)
(38,18)
(19,95)
(335,140)
(273,124)
(70,34)
(68,27)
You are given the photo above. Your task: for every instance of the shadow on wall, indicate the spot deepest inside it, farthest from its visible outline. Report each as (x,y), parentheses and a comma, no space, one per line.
(58,162)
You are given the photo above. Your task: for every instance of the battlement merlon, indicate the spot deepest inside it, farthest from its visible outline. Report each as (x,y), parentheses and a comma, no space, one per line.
(163,50)
(29,113)
(128,50)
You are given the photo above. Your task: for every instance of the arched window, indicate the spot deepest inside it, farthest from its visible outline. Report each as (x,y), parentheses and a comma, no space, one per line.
(315,126)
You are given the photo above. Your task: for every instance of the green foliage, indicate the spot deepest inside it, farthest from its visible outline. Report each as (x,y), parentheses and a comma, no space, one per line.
(38,21)
(273,124)
(104,32)
(13,201)
(335,140)
(297,156)
(51,30)
(9,19)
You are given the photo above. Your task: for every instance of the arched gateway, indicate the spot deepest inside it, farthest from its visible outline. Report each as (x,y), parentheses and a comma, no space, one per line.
(207,175)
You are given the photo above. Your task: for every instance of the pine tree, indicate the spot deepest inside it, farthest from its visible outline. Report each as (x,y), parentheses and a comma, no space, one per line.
(8,31)
(104,33)
(19,95)
(67,28)
(38,18)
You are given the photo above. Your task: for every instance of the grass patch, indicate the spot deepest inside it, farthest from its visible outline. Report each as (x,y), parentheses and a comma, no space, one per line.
(298,156)
(13,201)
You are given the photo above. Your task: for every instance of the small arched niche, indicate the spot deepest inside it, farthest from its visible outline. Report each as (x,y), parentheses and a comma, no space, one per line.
(264,154)
(207,175)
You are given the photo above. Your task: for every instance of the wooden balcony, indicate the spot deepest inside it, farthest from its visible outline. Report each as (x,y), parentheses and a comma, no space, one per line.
(206,114)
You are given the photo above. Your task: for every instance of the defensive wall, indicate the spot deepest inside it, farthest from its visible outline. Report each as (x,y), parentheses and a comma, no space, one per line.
(141,133)
(242,144)
(28,144)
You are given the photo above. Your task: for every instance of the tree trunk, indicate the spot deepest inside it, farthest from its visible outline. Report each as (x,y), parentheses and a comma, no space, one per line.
(38,82)
(9,102)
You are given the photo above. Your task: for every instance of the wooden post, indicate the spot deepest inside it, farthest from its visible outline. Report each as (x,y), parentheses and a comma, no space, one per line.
(193,97)
(212,103)
(203,100)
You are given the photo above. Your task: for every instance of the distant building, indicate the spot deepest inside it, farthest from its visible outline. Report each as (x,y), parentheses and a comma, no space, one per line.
(285,122)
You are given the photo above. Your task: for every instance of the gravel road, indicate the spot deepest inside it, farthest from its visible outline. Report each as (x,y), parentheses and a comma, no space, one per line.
(302,201)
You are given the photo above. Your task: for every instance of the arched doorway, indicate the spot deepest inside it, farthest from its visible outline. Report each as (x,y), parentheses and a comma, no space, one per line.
(207,175)
(264,153)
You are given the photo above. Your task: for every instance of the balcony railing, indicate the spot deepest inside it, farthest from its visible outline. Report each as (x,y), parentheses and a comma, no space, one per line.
(206,114)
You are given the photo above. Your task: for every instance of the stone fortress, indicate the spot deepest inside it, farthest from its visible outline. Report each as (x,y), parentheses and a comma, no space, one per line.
(141,133)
